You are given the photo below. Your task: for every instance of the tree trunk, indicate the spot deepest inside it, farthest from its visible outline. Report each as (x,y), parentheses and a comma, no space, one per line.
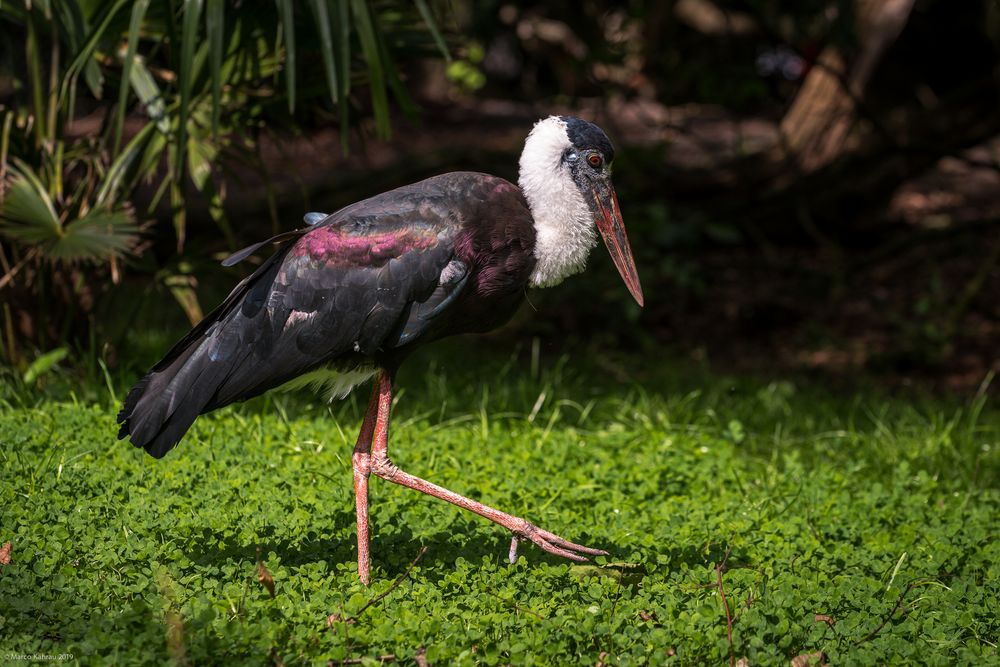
(823,115)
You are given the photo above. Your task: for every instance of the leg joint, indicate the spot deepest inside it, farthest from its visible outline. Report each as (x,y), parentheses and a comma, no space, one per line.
(362,462)
(384,468)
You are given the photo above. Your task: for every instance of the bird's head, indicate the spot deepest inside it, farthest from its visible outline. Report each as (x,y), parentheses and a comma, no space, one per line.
(566,178)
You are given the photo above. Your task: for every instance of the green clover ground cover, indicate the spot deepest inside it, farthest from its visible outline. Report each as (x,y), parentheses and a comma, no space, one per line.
(865,528)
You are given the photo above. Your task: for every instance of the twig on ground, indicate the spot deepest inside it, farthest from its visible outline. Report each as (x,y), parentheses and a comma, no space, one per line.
(885,621)
(384,659)
(395,584)
(331,619)
(516,606)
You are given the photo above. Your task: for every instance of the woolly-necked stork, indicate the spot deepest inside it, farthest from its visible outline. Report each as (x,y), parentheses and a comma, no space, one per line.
(351,295)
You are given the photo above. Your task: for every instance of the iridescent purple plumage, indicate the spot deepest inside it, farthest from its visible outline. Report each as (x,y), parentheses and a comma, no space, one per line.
(337,245)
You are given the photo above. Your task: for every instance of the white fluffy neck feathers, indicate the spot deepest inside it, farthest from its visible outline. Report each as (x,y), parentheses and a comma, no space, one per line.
(564,226)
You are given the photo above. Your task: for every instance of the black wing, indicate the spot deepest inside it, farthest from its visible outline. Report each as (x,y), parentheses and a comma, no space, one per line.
(371,278)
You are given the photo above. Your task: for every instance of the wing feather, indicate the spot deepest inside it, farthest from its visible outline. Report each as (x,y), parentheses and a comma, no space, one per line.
(368,280)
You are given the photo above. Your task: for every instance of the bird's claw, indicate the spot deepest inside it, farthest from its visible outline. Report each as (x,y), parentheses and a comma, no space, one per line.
(550,543)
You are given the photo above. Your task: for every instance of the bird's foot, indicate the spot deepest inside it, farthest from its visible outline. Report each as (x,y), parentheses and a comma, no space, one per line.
(551,543)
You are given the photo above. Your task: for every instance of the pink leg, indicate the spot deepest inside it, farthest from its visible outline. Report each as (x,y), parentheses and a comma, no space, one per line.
(361,461)
(384,468)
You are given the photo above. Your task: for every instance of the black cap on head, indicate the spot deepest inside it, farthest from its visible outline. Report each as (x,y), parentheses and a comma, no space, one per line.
(585,134)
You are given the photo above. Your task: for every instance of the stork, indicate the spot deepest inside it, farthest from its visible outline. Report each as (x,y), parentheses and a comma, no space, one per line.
(351,295)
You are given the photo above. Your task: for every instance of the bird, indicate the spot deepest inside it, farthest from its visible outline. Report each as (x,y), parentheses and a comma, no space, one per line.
(349,296)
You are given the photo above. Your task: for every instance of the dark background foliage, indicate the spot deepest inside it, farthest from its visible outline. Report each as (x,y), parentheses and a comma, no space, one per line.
(810,187)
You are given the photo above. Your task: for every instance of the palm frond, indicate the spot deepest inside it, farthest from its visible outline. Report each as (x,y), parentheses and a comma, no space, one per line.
(135,23)
(367,27)
(98,236)
(287,23)
(28,216)
(27,213)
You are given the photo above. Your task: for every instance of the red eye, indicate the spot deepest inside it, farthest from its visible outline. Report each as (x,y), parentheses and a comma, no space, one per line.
(595,160)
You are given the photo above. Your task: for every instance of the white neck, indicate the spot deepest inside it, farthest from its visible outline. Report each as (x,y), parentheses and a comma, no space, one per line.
(564,225)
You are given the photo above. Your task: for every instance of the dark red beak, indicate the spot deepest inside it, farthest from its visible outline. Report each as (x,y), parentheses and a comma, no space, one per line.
(612,229)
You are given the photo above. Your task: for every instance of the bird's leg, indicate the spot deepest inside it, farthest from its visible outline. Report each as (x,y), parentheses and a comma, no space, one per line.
(386,469)
(362,463)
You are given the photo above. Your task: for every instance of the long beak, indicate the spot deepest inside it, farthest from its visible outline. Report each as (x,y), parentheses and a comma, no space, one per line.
(612,229)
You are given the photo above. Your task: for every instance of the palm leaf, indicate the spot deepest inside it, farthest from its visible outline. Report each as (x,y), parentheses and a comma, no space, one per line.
(288,26)
(34,59)
(149,95)
(215,31)
(395,85)
(326,45)
(189,42)
(73,28)
(8,123)
(344,21)
(425,14)
(138,13)
(376,79)
(99,235)
(27,214)
(113,179)
(29,217)
(201,156)
(86,52)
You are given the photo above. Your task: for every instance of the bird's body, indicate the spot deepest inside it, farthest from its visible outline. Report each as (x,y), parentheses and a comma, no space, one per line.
(354,293)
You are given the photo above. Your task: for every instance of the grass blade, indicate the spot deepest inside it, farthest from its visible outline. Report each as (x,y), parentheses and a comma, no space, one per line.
(8,123)
(215,31)
(149,95)
(43,364)
(344,23)
(118,169)
(326,42)
(34,58)
(425,13)
(395,85)
(179,213)
(344,42)
(365,23)
(87,50)
(288,27)
(189,42)
(138,13)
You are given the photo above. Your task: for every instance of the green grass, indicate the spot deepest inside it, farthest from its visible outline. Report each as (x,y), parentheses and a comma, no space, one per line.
(878,513)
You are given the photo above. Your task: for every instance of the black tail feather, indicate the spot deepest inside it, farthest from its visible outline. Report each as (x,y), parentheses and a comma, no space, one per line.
(161,407)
